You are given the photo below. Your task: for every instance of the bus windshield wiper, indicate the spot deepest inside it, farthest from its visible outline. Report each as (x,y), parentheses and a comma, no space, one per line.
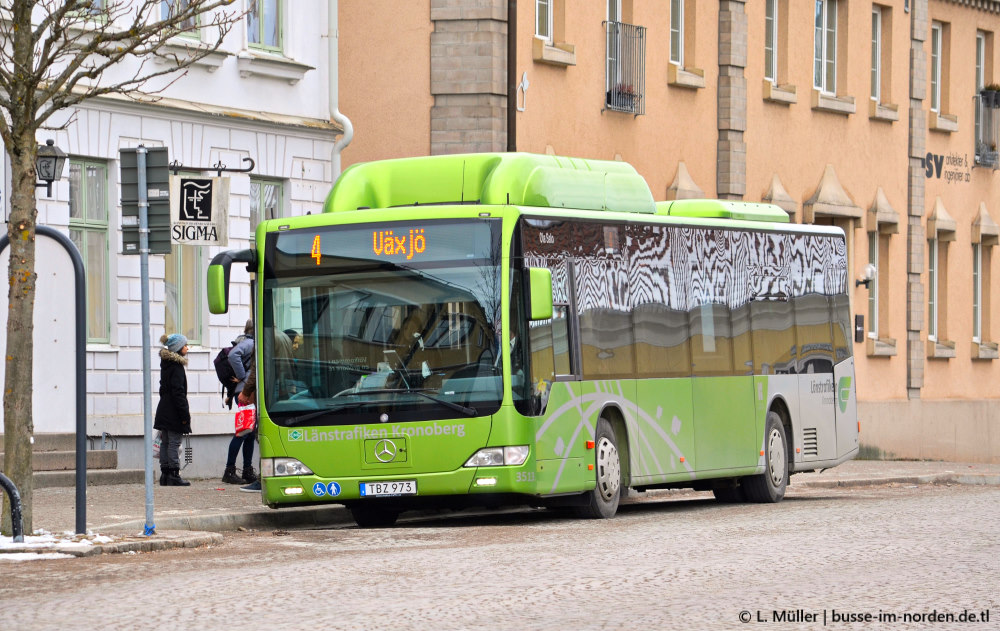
(347,405)
(448,404)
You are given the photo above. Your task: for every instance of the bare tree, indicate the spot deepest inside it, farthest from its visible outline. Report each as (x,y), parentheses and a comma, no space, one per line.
(53,56)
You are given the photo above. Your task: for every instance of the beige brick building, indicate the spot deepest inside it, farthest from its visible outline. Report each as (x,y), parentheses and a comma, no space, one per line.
(867,115)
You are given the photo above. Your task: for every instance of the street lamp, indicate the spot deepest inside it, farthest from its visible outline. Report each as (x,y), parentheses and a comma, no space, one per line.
(49,165)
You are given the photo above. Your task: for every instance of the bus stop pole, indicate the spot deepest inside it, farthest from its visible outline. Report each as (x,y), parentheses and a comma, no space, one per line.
(147,405)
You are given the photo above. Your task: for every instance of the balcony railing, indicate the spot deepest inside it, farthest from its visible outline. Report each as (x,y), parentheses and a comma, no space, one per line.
(625,68)
(987,129)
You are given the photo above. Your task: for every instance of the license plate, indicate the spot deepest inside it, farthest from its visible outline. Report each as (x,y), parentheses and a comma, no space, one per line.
(390,488)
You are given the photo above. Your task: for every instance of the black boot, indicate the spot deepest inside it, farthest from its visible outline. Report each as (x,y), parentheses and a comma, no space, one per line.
(174,478)
(230,477)
(249,475)
(164,474)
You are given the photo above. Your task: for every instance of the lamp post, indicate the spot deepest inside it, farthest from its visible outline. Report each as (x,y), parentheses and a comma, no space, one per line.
(49,165)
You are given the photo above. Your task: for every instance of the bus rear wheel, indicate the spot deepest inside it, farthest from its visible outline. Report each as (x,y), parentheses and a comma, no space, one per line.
(374,516)
(769,487)
(602,502)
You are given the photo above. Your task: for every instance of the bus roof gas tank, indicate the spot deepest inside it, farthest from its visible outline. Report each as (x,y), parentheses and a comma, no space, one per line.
(520,179)
(722,209)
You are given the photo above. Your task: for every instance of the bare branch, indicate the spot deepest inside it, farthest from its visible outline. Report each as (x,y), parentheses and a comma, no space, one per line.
(74,44)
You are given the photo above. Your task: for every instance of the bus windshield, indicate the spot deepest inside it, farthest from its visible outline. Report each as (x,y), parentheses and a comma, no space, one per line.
(382,322)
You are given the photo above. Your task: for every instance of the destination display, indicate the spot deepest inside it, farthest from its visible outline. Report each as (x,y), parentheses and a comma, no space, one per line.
(407,243)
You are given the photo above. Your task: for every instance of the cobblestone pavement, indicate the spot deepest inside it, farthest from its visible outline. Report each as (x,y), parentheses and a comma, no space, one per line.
(672,560)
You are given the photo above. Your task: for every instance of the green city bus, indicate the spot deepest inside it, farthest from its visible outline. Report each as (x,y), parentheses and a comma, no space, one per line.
(500,329)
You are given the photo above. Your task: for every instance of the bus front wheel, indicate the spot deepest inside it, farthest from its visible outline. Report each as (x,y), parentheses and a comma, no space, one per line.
(769,487)
(602,501)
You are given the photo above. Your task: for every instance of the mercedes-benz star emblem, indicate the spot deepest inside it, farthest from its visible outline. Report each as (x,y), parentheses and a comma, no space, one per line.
(385,450)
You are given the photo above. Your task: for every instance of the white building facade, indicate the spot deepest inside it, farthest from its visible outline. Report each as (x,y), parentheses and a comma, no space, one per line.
(263,95)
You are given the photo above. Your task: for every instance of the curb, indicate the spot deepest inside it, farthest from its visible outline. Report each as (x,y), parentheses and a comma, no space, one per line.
(320,516)
(134,544)
(972,479)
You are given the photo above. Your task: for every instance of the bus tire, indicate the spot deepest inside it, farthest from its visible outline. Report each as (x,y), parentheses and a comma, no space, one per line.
(373,516)
(769,487)
(602,501)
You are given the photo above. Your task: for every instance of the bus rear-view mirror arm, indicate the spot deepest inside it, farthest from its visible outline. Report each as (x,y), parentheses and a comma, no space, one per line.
(218,276)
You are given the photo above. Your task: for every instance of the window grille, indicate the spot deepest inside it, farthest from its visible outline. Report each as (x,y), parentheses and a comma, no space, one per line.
(625,70)
(987,128)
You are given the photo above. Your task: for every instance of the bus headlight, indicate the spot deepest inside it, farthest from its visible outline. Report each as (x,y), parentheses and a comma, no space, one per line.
(499,456)
(278,467)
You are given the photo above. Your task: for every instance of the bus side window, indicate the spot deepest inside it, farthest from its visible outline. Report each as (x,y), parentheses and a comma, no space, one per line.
(560,339)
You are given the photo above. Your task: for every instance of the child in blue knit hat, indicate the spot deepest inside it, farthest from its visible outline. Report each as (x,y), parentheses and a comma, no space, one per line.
(173,416)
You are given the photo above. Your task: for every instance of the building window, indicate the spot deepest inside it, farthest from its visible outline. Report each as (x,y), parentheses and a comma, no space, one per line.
(264,24)
(977,292)
(940,232)
(183,270)
(625,68)
(873,288)
(182,276)
(987,123)
(88,229)
(771,40)
(876,70)
(677,32)
(825,47)
(266,200)
(980,60)
(936,67)
(543,19)
(189,26)
(932,289)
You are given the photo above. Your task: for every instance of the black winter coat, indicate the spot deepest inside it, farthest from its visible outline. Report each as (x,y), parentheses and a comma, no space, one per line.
(172,412)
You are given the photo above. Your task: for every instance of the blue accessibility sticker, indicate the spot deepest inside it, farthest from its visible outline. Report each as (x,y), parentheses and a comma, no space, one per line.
(319,489)
(333,489)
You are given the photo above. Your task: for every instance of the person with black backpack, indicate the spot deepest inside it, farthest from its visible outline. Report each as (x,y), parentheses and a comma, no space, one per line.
(241,360)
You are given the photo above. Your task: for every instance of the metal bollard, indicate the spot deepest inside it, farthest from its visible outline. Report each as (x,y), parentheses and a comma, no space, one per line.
(15,508)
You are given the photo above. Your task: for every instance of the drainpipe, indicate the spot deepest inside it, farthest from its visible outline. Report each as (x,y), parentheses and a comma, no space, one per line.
(335,114)
(512,74)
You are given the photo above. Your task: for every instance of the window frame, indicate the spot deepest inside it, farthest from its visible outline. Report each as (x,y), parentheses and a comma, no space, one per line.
(677,32)
(279,10)
(876,61)
(175,260)
(86,226)
(980,79)
(548,35)
(933,285)
(771,49)
(934,80)
(192,30)
(977,293)
(873,288)
(258,209)
(823,35)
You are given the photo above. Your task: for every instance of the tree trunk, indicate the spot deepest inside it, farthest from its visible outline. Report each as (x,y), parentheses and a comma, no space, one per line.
(17,413)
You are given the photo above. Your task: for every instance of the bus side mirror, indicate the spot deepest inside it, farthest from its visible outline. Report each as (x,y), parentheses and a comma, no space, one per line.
(540,286)
(218,277)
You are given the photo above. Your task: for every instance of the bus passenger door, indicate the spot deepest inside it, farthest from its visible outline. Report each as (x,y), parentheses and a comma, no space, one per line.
(722,389)
(817,383)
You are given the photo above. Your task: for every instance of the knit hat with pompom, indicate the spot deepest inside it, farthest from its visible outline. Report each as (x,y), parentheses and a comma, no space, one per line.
(174,342)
